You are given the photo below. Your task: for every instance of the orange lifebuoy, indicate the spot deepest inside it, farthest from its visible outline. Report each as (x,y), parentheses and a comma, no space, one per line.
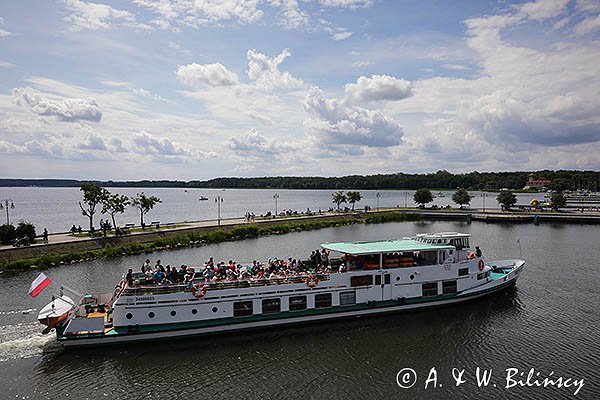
(199,292)
(312,281)
(481,265)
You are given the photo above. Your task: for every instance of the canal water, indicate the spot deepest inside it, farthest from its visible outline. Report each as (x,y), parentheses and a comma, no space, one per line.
(550,322)
(57,208)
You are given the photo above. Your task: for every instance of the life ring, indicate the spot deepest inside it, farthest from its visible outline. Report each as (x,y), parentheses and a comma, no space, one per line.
(481,265)
(312,281)
(198,291)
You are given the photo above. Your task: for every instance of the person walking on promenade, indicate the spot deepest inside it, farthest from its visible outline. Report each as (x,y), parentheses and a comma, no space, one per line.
(45,236)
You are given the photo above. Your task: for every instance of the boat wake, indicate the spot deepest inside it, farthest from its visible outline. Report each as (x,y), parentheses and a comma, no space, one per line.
(12,312)
(22,341)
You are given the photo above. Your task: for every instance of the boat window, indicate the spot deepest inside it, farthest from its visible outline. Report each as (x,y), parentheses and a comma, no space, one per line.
(323,300)
(150,314)
(361,280)
(242,308)
(271,306)
(463,271)
(449,287)
(386,279)
(377,279)
(297,303)
(427,258)
(347,298)
(129,316)
(442,256)
(430,289)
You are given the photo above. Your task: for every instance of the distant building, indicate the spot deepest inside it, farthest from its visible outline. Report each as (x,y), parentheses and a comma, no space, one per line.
(534,183)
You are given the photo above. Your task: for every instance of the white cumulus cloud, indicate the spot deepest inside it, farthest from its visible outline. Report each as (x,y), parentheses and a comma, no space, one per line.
(95,16)
(332,122)
(265,71)
(65,109)
(206,74)
(377,88)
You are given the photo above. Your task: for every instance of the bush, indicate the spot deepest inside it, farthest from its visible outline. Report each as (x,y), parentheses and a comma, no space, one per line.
(7,233)
(25,228)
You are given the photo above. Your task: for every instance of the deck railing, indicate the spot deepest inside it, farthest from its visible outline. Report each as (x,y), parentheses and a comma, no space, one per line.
(146,289)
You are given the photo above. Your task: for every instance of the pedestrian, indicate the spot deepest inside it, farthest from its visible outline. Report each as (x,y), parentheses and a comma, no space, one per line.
(45,235)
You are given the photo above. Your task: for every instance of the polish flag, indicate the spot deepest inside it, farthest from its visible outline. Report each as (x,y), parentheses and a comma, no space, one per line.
(39,284)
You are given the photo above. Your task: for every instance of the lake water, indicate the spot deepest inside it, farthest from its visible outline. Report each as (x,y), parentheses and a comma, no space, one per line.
(551,322)
(57,209)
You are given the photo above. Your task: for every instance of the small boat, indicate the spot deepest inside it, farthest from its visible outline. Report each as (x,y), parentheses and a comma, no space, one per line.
(203,198)
(367,279)
(56,311)
(440,194)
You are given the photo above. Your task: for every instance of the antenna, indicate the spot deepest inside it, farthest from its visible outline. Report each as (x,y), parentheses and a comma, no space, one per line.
(520,250)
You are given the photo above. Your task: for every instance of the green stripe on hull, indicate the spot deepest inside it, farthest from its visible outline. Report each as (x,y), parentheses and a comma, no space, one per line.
(292,316)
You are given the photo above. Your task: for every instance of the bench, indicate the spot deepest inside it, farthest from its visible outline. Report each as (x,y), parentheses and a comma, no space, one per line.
(155,223)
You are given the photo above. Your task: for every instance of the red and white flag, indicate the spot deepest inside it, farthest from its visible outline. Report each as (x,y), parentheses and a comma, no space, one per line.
(39,284)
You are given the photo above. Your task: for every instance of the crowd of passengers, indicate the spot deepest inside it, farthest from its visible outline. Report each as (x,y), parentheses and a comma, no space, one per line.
(212,271)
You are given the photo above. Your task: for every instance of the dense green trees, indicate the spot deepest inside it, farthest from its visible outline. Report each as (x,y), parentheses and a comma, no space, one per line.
(461,197)
(423,196)
(507,199)
(439,180)
(558,200)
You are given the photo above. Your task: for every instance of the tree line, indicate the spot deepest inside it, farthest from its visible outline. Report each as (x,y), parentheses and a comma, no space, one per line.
(566,179)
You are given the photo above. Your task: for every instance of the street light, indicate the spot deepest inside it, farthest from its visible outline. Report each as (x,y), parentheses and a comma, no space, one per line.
(219,200)
(378,195)
(405,199)
(275,196)
(484,195)
(6,203)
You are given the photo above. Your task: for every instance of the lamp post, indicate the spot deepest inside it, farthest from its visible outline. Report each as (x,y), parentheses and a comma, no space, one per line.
(484,195)
(219,200)
(405,199)
(6,203)
(275,196)
(378,195)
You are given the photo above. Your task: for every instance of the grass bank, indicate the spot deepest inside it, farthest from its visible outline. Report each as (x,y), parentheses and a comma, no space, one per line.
(191,239)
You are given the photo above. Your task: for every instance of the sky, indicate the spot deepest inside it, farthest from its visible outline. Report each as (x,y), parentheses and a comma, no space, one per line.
(197,89)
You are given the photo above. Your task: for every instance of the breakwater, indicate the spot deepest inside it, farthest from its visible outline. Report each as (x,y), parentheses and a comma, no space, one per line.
(78,250)
(195,234)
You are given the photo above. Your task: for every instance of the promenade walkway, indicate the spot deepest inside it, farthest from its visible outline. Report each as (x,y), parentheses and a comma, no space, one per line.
(455,214)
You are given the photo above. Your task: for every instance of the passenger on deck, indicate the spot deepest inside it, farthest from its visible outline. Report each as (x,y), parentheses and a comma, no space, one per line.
(149,275)
(478,252)
(129,277)
(146,266)
(189,278)
(158,276)
(174,275)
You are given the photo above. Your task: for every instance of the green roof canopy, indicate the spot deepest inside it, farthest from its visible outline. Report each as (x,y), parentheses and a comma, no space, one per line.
(383,246)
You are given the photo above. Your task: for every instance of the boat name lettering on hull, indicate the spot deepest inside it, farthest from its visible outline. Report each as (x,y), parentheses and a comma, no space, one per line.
(145,298)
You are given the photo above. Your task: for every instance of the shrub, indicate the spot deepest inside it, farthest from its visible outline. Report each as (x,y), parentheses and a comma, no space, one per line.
(7,233)
(26,229)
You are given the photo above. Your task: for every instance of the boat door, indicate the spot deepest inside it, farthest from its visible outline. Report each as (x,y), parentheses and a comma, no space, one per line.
(383,280)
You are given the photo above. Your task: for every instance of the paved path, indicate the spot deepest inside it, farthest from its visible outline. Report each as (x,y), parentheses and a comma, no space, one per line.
(68,238)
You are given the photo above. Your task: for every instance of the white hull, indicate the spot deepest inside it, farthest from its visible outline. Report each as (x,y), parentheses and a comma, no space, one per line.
(481,291)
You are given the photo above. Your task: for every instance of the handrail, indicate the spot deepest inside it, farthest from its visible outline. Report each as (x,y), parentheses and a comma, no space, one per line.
(241,283)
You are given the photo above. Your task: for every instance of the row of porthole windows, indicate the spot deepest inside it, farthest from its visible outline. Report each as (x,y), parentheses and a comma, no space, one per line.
(173,313)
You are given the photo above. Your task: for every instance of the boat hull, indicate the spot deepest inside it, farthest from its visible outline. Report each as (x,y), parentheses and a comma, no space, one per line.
(341,312)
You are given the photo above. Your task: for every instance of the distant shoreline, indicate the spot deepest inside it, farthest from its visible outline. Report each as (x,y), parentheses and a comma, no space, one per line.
(440,180)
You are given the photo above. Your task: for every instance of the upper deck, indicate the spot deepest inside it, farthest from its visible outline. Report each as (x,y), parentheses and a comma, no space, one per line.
(384,247)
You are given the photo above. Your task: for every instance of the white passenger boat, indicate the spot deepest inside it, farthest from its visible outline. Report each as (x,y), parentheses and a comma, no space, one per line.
(369,278)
